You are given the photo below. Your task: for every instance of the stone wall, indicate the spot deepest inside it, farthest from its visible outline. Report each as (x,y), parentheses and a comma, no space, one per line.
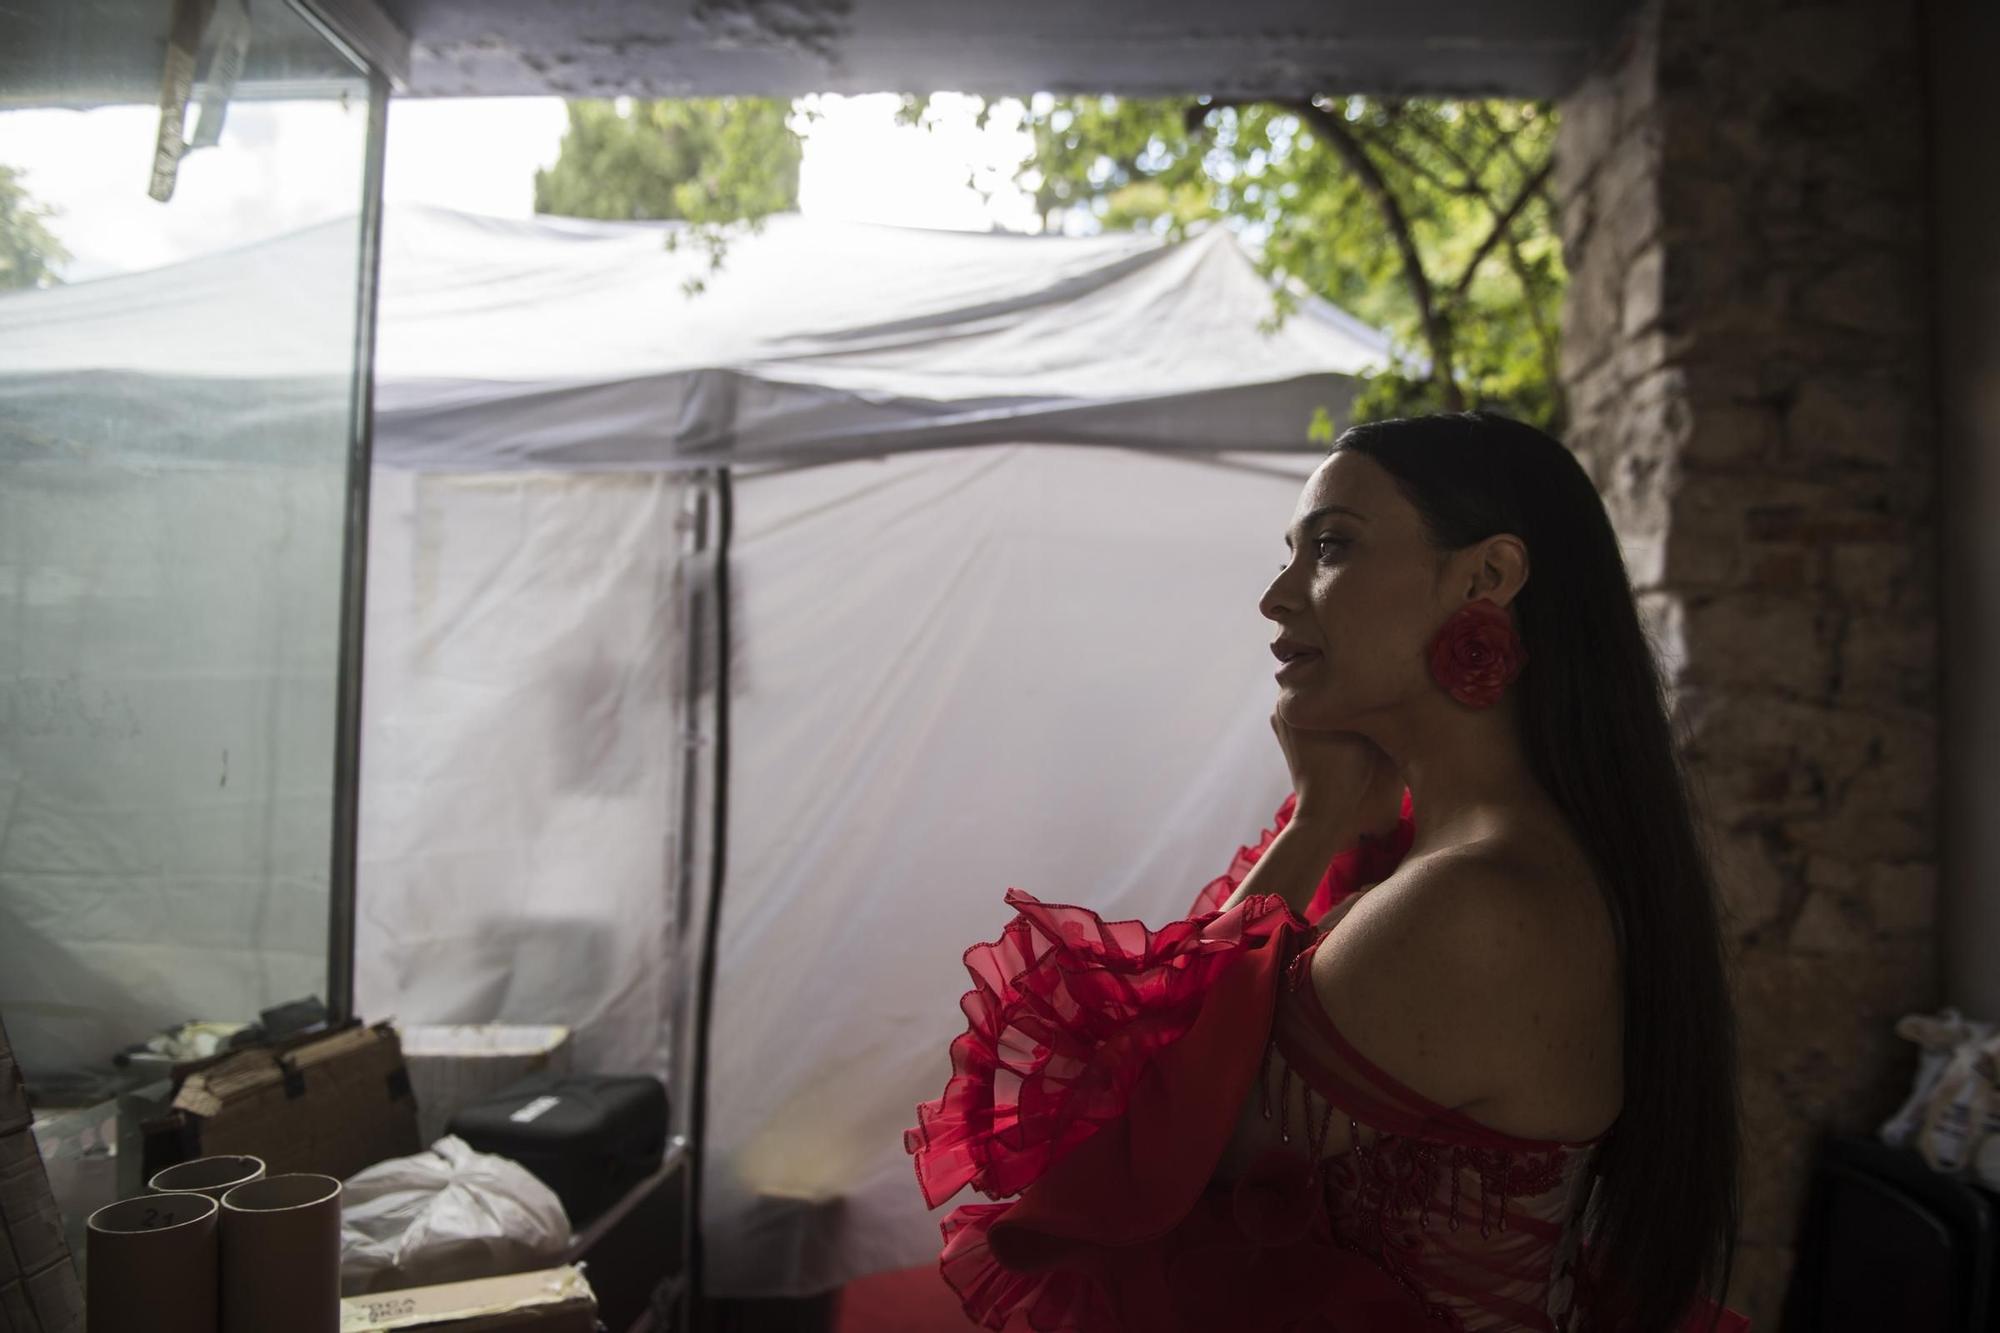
(1746,354)
(1965,194)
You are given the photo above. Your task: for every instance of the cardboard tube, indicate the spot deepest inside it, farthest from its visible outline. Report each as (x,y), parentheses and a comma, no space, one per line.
(153,1266)
(281,1256)
(213,1176)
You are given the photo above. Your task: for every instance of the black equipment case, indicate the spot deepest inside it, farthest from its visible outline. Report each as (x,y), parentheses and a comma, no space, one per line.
(588,1137)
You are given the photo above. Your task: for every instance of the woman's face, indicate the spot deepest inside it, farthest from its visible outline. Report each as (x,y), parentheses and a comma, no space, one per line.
(1358,597)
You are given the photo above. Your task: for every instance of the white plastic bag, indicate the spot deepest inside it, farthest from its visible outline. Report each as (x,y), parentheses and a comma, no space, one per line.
(1938,1038)
(447,1215)
(1987,1165)
(1964,1109)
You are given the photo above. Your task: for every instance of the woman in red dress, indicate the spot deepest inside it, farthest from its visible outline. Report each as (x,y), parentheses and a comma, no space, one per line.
(1450,1047)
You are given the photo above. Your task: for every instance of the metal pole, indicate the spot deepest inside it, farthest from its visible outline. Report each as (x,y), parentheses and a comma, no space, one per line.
(718,867)
(354,574)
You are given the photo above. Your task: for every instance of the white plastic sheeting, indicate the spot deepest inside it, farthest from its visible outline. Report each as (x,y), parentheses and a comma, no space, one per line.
(166,743)
(170,564)
(955,669)
(1026,666)
(954,672)
(518,754)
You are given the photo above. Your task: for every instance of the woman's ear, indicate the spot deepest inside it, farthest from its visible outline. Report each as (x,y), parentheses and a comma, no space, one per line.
(1499,569)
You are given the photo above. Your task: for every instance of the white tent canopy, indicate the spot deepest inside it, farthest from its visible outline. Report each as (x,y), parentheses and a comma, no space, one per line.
(577,345)
(1028,659)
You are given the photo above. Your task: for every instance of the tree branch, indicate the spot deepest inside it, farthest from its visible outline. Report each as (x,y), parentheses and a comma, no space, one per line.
(1545,336)
(1390,149)
(1542,187)
(1445,146)
(1436,333)
(1538,182)
(1501,225)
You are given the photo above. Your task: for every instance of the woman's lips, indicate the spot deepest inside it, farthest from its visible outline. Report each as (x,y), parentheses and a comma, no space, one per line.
(1296,664)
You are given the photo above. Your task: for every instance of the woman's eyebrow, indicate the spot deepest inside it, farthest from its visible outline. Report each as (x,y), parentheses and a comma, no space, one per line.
(1320,513)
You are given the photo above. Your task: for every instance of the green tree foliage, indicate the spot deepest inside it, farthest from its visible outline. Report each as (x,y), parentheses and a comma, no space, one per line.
(713,162)
(29,251)
(1431,219)
(709,160)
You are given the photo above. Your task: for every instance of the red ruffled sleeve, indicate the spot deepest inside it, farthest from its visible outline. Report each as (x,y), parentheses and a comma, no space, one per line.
(1102,1073)
(1065,1012)
(1369,861)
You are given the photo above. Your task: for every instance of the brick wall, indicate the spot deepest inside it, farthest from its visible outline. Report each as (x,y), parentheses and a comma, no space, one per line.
(1743,200)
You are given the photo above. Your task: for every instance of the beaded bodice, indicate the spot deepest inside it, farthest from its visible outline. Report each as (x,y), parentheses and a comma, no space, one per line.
(1479,1225)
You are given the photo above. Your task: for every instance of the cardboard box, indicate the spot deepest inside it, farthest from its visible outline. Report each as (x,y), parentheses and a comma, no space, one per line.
(552,1300)
(454,1065)
(79,1148)
(331,1105)
(28,1213)
(16,1315)
(39,1292)
(14,1113)
(56,1297)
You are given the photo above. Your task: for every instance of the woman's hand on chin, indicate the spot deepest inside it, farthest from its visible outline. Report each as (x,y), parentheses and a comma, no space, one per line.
(1342,778)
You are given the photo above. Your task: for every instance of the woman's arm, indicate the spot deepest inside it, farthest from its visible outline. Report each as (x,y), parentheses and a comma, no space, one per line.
(1258,1124)
(1294,863)
(1343,785)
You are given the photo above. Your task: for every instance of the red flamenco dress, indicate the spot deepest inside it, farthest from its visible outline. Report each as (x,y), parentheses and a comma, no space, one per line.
(1100,1078)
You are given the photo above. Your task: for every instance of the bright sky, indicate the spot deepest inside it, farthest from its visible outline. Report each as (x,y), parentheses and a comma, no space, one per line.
(283,165)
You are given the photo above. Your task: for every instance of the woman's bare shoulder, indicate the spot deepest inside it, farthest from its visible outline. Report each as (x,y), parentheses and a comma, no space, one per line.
(1475,979)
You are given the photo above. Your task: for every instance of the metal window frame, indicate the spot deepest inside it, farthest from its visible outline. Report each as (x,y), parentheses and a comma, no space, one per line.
(365,31)
(373,47)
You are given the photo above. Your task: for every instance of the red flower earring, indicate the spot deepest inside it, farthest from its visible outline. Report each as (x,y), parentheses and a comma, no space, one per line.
(1476,654)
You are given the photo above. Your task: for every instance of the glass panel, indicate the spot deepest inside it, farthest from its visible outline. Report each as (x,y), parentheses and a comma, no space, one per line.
(175,428)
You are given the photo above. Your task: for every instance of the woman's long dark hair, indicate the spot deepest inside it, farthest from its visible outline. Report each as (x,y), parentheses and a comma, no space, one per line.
(1662,1228)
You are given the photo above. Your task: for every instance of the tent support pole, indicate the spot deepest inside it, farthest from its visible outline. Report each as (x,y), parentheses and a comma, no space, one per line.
(718,866)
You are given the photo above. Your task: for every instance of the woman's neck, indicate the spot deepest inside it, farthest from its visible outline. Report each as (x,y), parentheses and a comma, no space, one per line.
(1463,774)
